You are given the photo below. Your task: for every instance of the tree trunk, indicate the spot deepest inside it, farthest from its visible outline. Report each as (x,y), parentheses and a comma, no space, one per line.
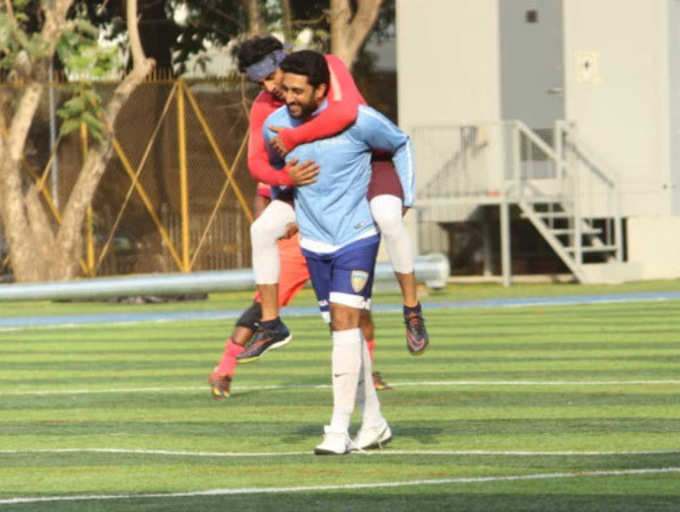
(256,23)
(349,30)
(287,20)
(24,248)
(21,243)
(14,219)
(35,252)
(69,237)
(46,256)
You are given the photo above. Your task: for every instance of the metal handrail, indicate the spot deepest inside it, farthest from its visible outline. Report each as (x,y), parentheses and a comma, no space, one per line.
(607,176)
(531,171)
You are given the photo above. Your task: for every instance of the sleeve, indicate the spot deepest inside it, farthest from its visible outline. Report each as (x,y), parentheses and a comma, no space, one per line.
(343,103)
(258,158)
(380,133)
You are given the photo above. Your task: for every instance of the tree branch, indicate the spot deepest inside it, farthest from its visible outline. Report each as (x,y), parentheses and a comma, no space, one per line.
(10,10)
(141,66)
(99,155)
(363,21)
(256,25)
(340,16)
(22,119)
(348,31)
(287,19)
(224,15)
(133,31)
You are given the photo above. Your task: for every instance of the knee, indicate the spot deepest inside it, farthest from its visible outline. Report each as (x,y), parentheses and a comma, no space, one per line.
(340,323)
(343,318)
(388,221)
(366,325)
(260,232)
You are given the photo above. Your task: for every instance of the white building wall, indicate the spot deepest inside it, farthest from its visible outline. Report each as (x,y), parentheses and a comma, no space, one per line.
(448,73)
(674,93)
(621,103)
(653,247)
(447,62)
(624,103)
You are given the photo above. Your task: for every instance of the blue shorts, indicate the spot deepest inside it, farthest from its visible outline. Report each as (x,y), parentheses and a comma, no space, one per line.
(344,276)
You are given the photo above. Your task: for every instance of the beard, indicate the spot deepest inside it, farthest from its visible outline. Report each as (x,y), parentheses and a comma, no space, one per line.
(300,110)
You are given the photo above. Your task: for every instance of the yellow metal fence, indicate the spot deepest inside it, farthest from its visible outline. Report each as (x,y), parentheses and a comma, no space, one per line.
(175,196)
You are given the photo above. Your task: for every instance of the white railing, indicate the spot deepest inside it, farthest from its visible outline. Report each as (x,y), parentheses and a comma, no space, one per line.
(484,160)
(480,162)
(596,189)
(505,162)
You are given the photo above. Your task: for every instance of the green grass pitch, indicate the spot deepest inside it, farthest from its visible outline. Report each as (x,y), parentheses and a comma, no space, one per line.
(556,408)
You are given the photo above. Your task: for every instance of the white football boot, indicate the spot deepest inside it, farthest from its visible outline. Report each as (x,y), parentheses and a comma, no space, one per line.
(372,437)
(334,443)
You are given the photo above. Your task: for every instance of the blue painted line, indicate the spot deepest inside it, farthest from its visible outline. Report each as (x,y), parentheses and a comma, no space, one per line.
(116,318)
(567,300)
(179,316)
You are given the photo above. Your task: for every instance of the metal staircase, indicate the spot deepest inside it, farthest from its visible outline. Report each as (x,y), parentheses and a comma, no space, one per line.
(561,188)
(562,230)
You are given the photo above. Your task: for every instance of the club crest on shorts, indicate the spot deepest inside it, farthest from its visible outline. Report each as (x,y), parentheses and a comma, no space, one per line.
(359,279)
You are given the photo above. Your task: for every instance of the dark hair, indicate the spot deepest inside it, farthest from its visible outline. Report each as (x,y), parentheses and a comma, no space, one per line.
(255,49)
(311,64)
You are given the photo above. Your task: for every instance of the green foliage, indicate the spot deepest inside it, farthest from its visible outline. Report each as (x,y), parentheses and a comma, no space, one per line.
(208,22)
(19,41)
(220,21)
(82,108)
(78,50)
(86,60)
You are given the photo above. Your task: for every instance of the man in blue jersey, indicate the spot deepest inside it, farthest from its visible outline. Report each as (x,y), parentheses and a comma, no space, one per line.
(339,237)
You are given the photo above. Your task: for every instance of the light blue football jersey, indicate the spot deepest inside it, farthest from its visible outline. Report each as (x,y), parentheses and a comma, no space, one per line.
(334,211)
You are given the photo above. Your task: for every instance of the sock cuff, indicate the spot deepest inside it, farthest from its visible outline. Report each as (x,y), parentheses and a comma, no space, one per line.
(416,309)
(271,324)
(346,336)
(233,349)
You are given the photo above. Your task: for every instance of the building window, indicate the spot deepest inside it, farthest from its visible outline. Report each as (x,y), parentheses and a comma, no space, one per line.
(532,16)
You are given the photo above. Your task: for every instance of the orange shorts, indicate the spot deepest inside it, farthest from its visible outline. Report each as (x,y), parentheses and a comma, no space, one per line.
(293,273)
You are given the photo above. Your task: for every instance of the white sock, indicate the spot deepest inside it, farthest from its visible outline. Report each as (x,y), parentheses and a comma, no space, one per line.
(264,233)
(346,364)
(367,397)
(386,211)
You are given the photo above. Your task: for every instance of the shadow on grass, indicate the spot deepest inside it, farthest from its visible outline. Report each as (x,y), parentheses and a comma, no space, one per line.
(421,500)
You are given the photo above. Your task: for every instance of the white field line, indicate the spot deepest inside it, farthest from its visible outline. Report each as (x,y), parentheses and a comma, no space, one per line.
(313,488)
(495,453)
(443,383)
